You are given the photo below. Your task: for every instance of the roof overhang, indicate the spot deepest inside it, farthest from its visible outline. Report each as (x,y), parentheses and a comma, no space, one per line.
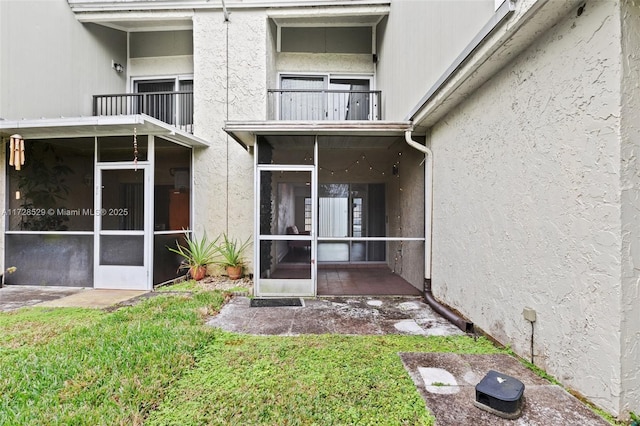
(163,15)
(134,5)
(120,125)
(514,26)
(245,132)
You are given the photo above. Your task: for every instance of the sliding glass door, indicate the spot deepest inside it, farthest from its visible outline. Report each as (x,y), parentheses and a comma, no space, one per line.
(325,97)
(348,214)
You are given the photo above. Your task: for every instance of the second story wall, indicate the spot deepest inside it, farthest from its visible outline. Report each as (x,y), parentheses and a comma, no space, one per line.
(229,84)
(160,53)
(326,49)
(51,64)
(416,44)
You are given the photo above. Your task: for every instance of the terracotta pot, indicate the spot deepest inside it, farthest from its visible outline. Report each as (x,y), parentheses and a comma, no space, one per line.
(198,272)
(234,272)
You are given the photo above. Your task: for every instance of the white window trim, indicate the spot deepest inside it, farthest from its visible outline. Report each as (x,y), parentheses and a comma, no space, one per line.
(157,78)
(327,77)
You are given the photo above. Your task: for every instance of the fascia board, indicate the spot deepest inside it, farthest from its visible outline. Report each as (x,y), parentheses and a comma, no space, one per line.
(71,127)
(245,131)
(101,5)
(530,20)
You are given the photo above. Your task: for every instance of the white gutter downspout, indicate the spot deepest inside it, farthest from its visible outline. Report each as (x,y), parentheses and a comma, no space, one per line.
(428,200)
(416,116)
(462,324)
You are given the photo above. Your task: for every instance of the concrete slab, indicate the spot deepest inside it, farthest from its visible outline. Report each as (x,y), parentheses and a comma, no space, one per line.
(338,315)
(16,296)
(452,403)
(93,298)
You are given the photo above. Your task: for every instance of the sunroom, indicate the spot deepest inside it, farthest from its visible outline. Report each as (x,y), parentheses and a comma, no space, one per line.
(339,208)
(96,201)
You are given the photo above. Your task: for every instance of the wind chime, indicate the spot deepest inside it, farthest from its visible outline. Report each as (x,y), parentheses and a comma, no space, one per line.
(135,150)
(16,151)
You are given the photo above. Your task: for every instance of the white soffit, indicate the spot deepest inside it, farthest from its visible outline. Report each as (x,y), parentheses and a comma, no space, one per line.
(132,21)
(76,127)
(245,132)
(364,16)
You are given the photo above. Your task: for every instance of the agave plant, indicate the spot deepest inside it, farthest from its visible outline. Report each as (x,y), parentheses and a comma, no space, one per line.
(196,253)
(231,255)
(231,251)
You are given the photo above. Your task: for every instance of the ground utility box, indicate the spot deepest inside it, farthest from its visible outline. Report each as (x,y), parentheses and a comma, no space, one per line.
(500,394)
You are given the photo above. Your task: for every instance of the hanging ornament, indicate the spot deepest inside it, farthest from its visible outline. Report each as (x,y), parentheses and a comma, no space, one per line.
(135,150)
(16,151)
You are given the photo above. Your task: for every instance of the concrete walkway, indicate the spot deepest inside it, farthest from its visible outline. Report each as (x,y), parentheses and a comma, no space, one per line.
(447,383)
(15,297)
(93,298)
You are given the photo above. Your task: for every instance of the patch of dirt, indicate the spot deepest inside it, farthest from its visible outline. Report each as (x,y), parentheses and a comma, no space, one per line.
(222,282)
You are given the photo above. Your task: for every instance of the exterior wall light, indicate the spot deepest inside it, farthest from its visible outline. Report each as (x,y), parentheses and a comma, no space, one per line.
(118,67)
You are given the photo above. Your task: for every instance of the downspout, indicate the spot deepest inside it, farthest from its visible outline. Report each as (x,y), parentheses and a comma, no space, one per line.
(460,322)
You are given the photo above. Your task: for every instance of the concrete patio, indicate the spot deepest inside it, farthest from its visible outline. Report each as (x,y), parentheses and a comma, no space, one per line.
(336,315)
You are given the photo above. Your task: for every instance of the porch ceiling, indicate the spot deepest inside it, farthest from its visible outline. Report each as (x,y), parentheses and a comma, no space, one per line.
(344,134)
(75,127)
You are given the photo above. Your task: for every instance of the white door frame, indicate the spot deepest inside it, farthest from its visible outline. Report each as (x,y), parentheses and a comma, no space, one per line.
(288,287)
(123,276)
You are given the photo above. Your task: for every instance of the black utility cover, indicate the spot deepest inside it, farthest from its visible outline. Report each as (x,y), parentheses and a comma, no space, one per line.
(500,392)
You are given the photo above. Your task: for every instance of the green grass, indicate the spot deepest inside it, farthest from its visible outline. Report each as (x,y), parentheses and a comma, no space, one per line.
(157,363)
(98,368)
(305,380)
(187,285)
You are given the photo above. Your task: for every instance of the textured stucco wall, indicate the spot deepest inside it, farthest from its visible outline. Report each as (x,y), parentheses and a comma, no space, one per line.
(527,203)
(630,395)
(226,86)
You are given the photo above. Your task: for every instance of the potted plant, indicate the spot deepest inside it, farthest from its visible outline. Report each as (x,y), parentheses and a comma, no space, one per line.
(231,257)
(196,253)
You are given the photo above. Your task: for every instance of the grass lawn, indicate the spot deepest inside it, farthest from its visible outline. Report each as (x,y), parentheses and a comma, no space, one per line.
(156,363)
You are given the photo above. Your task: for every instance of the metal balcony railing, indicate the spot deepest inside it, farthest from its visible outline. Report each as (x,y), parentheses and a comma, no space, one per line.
(175,108)
(335,105)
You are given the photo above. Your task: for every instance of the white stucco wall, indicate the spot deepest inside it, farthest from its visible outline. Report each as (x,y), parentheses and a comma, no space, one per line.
(630,327)
(527,204)
(161,66)
(226,87)
(325,63)
(48,56)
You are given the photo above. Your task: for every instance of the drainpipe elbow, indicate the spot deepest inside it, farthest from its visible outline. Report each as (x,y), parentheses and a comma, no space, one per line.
(416,145)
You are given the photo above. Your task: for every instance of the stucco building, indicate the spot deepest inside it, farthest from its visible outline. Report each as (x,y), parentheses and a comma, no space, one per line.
(480,151)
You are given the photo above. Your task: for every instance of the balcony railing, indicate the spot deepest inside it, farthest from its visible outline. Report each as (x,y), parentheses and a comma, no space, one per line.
(175,108)
(336,105)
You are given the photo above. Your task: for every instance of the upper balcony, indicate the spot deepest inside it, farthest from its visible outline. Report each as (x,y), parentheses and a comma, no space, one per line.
(174,107)
(315,105)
